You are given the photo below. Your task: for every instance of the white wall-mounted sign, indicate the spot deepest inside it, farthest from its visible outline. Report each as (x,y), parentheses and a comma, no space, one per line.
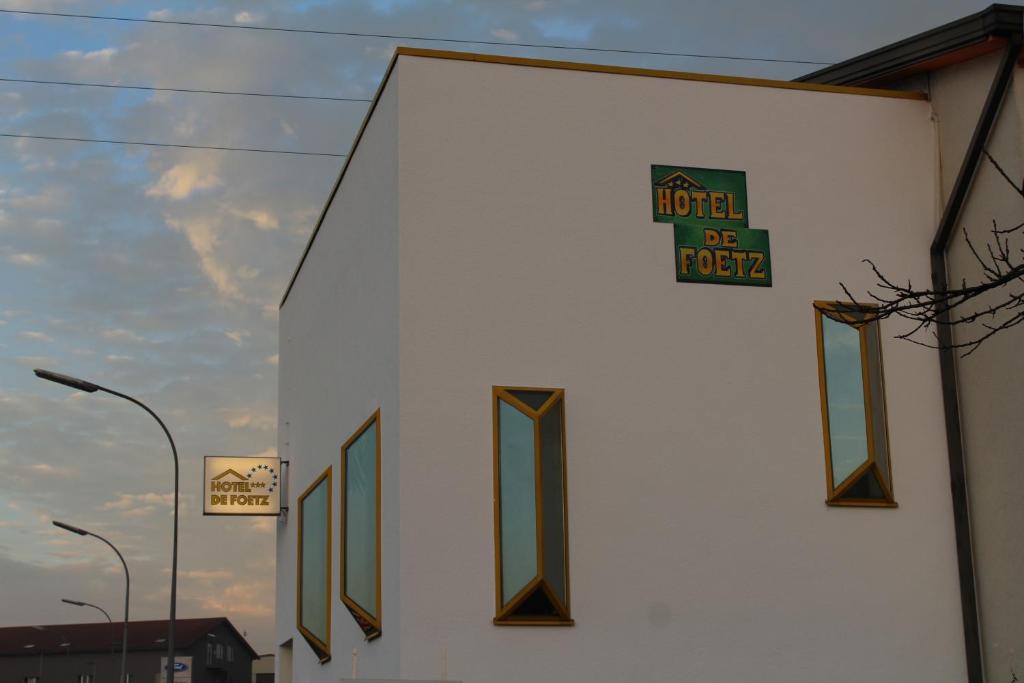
(182,669)
(241,486)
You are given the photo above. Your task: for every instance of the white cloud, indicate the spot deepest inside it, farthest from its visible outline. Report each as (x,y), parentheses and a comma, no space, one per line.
(237,335)
(181,180)
(102,55)
(264,220)
(36,336)
(261,423)
(120,334)
(505,34)
(46,468)
(160,14)
(115,358)
(48,199)
(241,598)
(203,574)
(245,17)
(130,501)
(142,511)
(24,259)
(201,238)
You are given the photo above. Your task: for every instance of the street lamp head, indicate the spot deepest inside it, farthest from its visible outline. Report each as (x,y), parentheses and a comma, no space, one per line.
(73,602)
(89,387)
(66,380)
(72,529)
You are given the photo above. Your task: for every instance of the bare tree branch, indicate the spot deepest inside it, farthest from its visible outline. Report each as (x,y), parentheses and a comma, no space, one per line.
(1002,270)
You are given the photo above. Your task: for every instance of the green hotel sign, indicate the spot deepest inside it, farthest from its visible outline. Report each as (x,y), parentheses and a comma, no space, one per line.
(714,242)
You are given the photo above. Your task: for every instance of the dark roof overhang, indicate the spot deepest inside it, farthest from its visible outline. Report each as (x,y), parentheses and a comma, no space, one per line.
(986,31)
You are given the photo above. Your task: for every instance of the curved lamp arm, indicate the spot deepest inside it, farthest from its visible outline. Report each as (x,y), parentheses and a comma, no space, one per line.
(79,603)
(90,387)
(127,588)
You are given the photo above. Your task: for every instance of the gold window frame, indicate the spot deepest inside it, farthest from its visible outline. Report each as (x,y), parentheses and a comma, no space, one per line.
(504,614)
(370,625)
(859,316)
(322,649)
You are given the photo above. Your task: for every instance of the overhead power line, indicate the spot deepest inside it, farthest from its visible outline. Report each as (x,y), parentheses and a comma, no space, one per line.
(185,90)
(168,144)
(357,34)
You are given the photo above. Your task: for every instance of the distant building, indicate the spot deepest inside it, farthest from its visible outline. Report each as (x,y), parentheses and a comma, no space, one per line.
(263,669)
(211,650)
(527,441)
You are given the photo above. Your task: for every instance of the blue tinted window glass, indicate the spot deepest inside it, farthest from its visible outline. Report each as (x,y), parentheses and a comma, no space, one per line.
(553,499)
(518,500)
(844,390)
(315,554)
(361,521)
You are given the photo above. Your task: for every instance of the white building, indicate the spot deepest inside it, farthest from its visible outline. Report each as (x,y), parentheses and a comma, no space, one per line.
(528,439)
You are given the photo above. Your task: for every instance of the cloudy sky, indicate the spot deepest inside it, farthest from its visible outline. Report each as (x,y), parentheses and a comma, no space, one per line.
(158,271)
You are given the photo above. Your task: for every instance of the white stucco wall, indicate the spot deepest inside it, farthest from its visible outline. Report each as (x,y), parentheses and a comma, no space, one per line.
(700,544)
(339,363)
(991,384)
(957,94)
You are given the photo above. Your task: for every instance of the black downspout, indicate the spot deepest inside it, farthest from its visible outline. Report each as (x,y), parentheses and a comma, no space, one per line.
(947,363)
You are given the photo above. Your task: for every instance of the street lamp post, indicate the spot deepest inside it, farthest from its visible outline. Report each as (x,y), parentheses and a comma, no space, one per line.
(127,586)
(91,388)
(79,603)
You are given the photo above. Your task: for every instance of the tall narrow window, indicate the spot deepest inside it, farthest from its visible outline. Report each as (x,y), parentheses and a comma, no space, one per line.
(857,464)
(314,599)
(360,526)
(530,513)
